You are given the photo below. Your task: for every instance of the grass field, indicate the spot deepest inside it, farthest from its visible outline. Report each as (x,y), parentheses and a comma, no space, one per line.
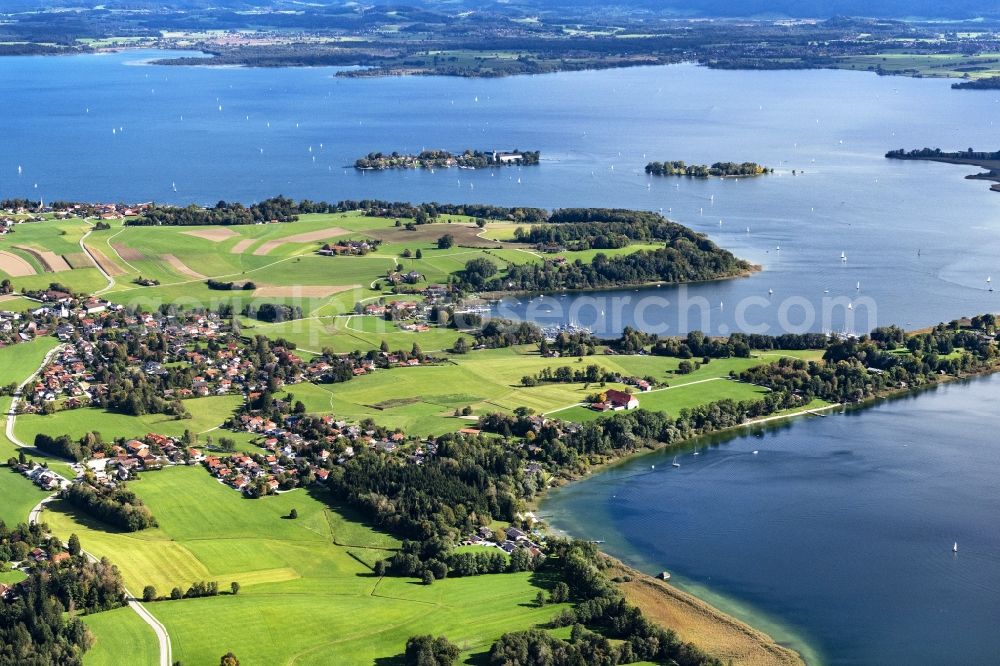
(277,257)
(120,637)
(423,400)
(61,238)
(304,598)
(17,494)
(206,413)
(943,65)
(17,362)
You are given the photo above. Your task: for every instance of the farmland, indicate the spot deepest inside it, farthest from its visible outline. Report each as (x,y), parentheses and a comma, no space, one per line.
(305,595)
(280,260)
(423,400)
(308,592)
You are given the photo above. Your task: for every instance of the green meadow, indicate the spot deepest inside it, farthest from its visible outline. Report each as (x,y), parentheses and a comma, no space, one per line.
(17,494)
(206,415)
(306,596)
(120,637)
(422,400)
(943,65)
(277,258)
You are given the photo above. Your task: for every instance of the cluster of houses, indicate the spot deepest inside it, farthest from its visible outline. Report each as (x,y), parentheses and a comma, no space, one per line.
(122,462)
(392,309)
(508,541)
(69,376)
(42,476)
(397,277)
(290,459)
(349,248)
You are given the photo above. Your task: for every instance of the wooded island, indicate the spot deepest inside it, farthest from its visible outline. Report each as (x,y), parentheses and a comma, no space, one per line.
(442,159)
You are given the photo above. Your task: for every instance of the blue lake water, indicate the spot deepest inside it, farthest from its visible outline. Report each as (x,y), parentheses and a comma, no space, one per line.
(836,536)
(839,531)
(108,127)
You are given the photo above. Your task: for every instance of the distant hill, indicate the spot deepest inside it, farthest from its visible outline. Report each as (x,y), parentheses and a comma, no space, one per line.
(932,9)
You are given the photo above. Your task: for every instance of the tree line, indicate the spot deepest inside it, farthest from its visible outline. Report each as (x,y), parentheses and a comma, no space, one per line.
(680,261)
(117,506)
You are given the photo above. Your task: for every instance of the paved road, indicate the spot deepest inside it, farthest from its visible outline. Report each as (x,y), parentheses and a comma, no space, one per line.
(34,516)
(162,637)
(18,394)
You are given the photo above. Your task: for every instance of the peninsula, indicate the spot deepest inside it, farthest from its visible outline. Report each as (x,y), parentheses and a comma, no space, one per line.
(442,159)
(406,490)
(718,169)
(983,159)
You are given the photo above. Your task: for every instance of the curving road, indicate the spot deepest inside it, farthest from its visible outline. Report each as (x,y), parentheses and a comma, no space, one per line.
(34,516)
(107,276)
(162,637)
(18,394)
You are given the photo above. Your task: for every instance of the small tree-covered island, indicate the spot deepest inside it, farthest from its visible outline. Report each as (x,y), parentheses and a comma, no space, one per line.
(442,159)
(718,169)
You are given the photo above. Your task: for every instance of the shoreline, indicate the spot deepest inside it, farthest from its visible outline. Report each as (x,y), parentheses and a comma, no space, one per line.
(697,621)
(499,296)
(991,168)
(692,616)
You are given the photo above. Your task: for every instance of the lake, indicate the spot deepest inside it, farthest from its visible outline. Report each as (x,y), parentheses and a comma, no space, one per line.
(836,536)
(919,240)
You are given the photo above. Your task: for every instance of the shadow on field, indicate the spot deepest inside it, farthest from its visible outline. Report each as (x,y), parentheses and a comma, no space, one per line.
(347,512)
(85,519)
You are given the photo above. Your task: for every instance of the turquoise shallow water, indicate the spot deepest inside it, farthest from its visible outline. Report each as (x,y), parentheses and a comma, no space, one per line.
(836,535)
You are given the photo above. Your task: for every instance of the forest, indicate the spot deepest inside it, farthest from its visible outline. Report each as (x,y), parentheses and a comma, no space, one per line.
(276,209)
(116,506)
(35,627)
(604,228)
(682,260)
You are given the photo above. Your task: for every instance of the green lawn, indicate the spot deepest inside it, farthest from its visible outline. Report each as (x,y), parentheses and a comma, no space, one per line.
(423,400)
(120,637)
(17,494)
(206,413)
(946,65)
(12,577)
(17,362)
(304,598)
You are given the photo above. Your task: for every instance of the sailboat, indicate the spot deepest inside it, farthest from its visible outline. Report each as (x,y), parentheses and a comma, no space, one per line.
(843,256)
(173,186)
(954,548)
(989,279)
(858,287)
(675,463)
